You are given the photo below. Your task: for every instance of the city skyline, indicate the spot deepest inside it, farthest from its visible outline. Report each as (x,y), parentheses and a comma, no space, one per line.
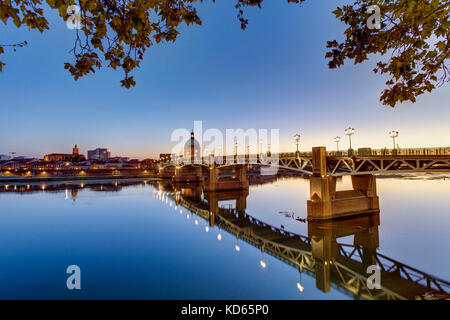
(211,73)
(343,146)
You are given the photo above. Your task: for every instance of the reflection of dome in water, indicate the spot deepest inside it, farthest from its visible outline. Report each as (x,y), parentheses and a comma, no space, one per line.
(192,146)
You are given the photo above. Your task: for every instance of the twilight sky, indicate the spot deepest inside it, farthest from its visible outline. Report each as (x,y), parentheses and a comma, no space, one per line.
(271,76)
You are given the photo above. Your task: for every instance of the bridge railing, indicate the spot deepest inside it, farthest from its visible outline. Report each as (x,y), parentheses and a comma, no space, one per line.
(264,157)
(412,151)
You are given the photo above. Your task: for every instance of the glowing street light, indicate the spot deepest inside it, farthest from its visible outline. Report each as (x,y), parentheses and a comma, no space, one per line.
(350,131)
(393,134)
(219,236)
(337,139)
(260,147)
(262,263)
(300,286)
(297,140)
(237,248)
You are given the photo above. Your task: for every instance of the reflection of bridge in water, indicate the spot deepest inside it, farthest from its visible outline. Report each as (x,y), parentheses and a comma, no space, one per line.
(333,264)
(341,266)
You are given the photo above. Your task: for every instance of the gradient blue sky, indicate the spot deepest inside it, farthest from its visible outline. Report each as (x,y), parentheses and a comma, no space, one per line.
(273,75)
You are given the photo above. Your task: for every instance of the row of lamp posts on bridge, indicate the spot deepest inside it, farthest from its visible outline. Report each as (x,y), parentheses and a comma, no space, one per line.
(349,132)
(248,148)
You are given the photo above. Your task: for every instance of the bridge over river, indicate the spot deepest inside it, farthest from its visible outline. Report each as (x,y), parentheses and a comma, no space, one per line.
(325,202)
(326,163)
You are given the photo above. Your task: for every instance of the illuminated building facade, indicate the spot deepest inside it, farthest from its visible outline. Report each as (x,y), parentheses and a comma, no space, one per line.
(101,154)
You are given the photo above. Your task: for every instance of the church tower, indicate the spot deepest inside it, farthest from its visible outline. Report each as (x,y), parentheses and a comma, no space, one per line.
(75,151)
(192,146)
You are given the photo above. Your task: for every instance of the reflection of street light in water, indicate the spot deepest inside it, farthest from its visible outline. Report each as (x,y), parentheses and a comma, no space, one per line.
(219,236)
(237,248)
(300,287)
(207,228)
(262,263)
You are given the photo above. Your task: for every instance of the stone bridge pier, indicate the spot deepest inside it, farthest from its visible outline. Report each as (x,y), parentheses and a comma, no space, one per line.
(327,203)
(188,173)
(166,172)
(238,181)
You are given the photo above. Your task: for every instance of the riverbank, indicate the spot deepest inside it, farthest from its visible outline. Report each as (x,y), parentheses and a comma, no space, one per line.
(13,179)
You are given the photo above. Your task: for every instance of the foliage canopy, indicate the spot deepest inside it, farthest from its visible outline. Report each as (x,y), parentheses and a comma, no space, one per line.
(414,39)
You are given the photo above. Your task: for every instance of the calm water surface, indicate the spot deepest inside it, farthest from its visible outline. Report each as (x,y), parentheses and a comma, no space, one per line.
(131,242)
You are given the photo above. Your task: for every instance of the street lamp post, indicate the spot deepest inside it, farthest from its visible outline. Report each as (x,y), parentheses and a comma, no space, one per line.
(260,150)
(393,134)
(297,141)
(220,154)
(350,131)
(247,154)
(337,139)
(235,150)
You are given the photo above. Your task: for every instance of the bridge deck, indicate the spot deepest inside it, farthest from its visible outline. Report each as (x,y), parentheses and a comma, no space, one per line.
(336,165)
